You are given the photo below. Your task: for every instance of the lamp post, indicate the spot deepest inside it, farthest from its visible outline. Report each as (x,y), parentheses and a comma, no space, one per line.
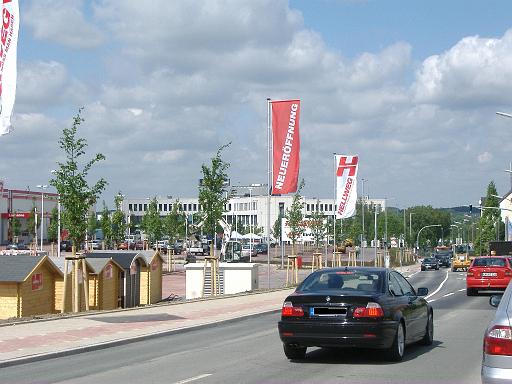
(410,224)
(42,188)
(458,234)
(54,172)
(362,216)
(426,226)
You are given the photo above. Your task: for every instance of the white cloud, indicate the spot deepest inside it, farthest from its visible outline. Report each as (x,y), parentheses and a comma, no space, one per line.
(62,22)
(484,157)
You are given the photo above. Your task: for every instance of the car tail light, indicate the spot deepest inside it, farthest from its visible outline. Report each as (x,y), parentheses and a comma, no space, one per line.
(498,341)
(508,272)
(372,310)
(471,272)
(289,310)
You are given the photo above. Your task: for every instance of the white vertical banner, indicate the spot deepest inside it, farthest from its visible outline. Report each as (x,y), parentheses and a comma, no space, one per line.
(8,53)
(346,185)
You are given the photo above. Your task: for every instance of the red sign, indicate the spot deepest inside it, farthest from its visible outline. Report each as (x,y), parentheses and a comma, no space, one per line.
(37,281)
(19,215)
(286,146)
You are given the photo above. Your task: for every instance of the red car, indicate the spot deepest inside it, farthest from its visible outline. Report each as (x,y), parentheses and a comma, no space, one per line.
(488,273)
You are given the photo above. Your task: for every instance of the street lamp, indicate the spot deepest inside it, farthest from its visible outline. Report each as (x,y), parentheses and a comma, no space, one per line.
(426,226)
(42,188)
(54,172)
(410,224)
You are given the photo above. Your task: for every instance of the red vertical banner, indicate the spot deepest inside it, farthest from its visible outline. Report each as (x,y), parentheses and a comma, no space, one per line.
(285,146)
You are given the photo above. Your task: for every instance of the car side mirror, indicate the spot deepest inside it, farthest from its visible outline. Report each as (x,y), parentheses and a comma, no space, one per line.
(494,300)
(422,292)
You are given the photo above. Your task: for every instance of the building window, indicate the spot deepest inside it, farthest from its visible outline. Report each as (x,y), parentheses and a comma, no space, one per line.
(130,207)
(229,207)
(140,207)
(145,207)
(195,207)
(160,208)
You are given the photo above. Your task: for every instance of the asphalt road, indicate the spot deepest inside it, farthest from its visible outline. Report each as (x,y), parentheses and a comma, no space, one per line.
(249,351)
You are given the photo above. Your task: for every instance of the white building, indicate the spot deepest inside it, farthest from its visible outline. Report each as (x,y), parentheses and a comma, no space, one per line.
(248,205)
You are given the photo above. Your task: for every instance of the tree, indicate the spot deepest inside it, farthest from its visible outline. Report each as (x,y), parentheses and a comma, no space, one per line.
(70,180)
(31,220)
(213,196)
(317,226)
(489,219)
(174,222)
(106,225)
(276,229)
(15,225)
(92,224)
(294,217)
(53,227)
(151,222)
(118,222)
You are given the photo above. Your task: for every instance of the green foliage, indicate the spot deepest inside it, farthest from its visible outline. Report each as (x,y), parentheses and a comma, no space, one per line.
(317,226)
(92,224)
(276,229)
(53,227)
(106,225)
(15,224)
(489,221)
(213,196)
(118,221)
(70,180)
(31,220)
(294,217)
(151,222)
(174,223)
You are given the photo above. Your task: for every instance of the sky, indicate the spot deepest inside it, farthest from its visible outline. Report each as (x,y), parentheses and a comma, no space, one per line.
(412,87)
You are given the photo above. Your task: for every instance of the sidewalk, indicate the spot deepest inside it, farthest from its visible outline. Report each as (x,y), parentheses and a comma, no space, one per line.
(42,339)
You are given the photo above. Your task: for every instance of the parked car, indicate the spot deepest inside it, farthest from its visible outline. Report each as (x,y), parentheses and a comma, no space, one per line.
(357,307)
(248,251)
(139,245)
(497,346)
(488,273)
(66,245)
(17,246)
(95,244)
(261,248)
(429,263)
(126,245)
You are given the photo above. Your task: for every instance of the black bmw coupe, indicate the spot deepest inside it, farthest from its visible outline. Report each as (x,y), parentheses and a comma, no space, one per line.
(358,307)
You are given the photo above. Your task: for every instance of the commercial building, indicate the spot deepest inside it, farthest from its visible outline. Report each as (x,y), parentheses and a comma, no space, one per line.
(18,203)
(247,205)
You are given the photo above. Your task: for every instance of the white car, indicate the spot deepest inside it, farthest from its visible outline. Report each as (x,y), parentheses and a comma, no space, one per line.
(248,251)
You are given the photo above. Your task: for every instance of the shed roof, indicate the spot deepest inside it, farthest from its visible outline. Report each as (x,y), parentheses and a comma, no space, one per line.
(18,268)
(123,258)
(150,255)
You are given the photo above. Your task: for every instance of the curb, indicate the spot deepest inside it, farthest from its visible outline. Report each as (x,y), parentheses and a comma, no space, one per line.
(125,341)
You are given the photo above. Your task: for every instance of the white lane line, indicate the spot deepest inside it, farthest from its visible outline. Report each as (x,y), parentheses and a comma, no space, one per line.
(430,301)
(413,274)
(462,290)
(449,294)
(438,288)
(193,378)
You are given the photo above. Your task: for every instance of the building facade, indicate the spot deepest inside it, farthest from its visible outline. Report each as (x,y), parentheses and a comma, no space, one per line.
(18,203)
(246,206)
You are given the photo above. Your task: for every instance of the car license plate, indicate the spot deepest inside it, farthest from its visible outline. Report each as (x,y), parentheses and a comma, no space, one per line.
(489,274)
(327,311)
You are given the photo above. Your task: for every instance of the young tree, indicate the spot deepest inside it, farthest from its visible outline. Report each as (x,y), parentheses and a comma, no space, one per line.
(31,220)
(151,222)
(118,222)
(15,224)
(70,180)
(92,224)
(295,217)
(213,196)
(317,226)
(106,225)
(488,221)
(54,225)
(174,222)
(276,229)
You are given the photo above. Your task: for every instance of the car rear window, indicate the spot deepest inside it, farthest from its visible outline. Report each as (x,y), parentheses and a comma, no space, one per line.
(489,262)
(430,259)
(343,281)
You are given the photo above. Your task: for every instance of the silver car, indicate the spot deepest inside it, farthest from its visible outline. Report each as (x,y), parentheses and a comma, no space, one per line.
(497,356)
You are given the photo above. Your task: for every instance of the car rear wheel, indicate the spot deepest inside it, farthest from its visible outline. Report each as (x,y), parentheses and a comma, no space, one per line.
(428,339)
(293,352)
(396,352)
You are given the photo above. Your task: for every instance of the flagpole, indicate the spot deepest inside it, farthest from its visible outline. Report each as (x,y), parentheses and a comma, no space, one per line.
(335,210)
(269,185)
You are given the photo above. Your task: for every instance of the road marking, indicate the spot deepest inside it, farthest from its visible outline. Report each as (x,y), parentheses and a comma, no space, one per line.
(431,301)
(449,294)
(193,378)
(462,290)
(438,288)
(413,274)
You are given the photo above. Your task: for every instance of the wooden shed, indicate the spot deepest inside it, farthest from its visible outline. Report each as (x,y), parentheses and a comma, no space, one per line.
(27,286)
(132,264)
(104,283)
(151,278)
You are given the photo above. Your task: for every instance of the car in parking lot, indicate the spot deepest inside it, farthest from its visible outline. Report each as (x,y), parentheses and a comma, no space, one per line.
(248,251)
(355,307)
(66,245)
(429,263)
(17,246)
(488,273)
(261,248)
(497,346)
